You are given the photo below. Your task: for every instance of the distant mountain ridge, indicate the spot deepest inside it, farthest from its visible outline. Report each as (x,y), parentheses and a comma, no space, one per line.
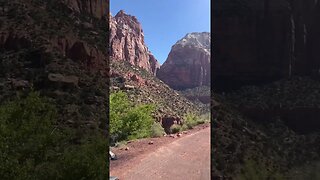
(201,40)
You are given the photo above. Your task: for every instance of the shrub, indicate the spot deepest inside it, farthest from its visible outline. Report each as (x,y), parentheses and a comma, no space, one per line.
(128,121)
(200,121)
(184,127)
(190,120)
(32,146)
(119,104)
(157,130)
(175,128)
(138,122)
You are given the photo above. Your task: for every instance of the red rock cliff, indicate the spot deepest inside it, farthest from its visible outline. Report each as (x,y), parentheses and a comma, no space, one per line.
(97,8)
(262,41)
(127,42)
(188,63)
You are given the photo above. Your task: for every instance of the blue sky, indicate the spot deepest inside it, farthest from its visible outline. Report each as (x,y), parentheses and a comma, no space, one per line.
(164,22)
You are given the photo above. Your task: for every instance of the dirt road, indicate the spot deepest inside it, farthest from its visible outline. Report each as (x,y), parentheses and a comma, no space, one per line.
(187,158)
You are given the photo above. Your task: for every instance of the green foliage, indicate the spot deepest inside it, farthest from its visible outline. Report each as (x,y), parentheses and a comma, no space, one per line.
(138,122)
(157,130)
(184,127)
(32,146)
(175,128)
(190,120)
(204,118)
(128,121)
(200,121)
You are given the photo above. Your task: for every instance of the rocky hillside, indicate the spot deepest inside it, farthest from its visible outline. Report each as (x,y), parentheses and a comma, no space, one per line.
(57,48)
(272,46)
(188,63)
(127,42)
(262,41)
(245,144)
(133,70)
(144,87)
(201,94)
(97,8)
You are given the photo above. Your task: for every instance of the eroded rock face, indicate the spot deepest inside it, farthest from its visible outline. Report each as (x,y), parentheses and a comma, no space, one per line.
(127,42)
(97,8)
(262,41)
(55,59)
(188,63)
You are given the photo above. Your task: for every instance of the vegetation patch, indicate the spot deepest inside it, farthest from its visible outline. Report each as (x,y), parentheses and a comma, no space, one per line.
(175,129)
(157,130)
(128,121)
(33,146)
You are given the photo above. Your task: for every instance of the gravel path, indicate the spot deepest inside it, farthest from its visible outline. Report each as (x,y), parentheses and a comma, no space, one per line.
(187,157)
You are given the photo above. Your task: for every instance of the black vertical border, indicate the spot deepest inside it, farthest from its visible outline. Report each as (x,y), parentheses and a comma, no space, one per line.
(211,87)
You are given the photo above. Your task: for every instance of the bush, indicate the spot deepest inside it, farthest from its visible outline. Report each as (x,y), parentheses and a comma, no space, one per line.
(157,130)
(190,120)
(184,127)
(175,128)
(200,121)
(127,121)
(32,146)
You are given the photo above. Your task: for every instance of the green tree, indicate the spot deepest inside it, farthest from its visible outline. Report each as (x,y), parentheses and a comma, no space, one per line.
(33,146)
(128,121)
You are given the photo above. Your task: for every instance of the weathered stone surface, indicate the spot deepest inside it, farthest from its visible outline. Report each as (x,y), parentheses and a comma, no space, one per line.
(97,8)
(63,79)
(41,56)
(127,42)
(261,41)
(80,51)
(188,63)
(19,84)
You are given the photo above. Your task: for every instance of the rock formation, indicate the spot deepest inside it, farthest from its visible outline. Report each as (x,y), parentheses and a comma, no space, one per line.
(51,49)
(260,41)
(127,42)
(188,63)
(97,8)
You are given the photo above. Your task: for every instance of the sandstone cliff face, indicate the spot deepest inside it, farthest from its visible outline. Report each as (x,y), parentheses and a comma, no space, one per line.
(127,42)
(262,41)
(188,63)
(55,58)
(97,8)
